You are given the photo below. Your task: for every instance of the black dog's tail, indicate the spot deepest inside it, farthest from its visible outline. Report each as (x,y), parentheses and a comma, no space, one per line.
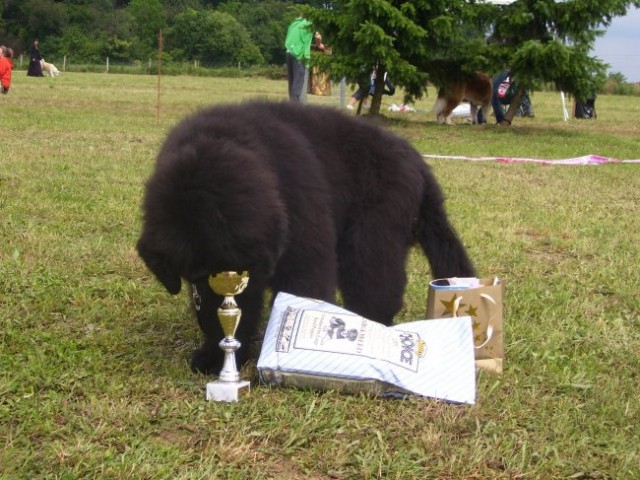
(442,246)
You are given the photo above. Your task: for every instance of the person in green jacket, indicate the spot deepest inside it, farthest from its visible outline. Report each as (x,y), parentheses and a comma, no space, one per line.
(300,35)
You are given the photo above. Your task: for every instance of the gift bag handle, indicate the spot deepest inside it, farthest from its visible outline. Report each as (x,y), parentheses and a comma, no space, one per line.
(492,310)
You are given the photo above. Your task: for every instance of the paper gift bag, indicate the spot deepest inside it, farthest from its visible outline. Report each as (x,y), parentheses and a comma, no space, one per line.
(483,303)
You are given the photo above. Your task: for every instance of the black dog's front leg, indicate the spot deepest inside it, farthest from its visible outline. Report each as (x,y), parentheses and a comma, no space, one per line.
(209,356)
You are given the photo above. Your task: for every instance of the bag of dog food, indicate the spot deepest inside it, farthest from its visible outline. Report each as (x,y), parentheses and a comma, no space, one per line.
(313,344)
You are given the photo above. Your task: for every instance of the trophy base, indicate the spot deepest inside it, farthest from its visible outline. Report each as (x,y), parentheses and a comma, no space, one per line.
(227,391)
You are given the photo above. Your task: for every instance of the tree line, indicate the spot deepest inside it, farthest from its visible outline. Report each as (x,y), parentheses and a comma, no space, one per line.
(213,33)
(544,41)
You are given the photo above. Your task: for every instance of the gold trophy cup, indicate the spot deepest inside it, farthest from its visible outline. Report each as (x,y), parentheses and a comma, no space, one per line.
(228,387)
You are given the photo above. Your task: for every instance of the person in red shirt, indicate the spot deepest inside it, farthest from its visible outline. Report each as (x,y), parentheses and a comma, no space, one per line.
(6,66)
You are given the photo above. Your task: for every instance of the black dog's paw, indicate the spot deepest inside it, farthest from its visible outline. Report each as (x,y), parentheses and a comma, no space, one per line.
(207,362)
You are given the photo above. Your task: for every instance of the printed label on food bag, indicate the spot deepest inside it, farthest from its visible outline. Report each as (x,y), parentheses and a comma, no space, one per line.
(349,334)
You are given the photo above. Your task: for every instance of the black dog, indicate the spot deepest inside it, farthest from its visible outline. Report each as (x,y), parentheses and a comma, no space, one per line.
(308,200)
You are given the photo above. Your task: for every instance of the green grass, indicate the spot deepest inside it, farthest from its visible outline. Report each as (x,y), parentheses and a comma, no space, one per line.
(94,377)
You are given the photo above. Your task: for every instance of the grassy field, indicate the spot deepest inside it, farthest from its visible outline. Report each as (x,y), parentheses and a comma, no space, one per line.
(94,376)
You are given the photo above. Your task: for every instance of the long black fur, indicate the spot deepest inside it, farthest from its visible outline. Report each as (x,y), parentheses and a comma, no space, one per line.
(308,200)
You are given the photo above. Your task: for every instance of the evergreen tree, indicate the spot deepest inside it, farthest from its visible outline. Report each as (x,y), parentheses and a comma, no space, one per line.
(364,34)
(413,41)
(550,41)
(416,40)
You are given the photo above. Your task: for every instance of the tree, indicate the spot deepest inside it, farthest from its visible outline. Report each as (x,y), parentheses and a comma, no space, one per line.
(266,22)
(212,37)
(79,46)
(43,18)
(174,7)
(416,40)
(148,18)
(549,41)
(363,34)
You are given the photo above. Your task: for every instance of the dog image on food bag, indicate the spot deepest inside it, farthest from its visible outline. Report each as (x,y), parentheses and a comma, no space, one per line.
(306,199)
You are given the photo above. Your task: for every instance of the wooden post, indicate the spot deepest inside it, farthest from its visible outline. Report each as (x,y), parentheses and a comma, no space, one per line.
(159,73)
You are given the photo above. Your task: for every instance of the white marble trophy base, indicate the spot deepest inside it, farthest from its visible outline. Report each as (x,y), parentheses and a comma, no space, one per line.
(227,391)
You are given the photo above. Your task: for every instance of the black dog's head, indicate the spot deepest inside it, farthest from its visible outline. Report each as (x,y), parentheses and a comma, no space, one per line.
(161,264)
(210,208)
(173,255)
